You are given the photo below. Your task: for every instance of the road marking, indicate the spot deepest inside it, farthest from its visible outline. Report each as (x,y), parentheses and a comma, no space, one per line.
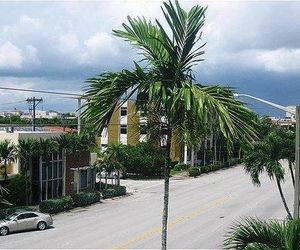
(181,219)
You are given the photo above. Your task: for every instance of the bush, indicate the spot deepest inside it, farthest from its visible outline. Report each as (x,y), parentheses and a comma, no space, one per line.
(113,191)
(215,167)
(193,171)
(83,199)
(8,211)
(173,164)
(143,160)
(17,190)
(205,169)
(180,167)
(56,205)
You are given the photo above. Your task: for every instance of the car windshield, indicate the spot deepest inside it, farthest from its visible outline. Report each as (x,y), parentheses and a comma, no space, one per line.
(11,217)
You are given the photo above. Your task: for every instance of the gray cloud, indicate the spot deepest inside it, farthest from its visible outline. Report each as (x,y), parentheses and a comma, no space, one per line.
(57,45)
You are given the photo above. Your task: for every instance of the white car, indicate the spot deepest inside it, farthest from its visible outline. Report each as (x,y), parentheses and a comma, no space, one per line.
(21,221)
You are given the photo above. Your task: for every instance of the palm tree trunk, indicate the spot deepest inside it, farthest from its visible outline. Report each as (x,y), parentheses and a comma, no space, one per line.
(166,191)
(283,199)
(292,172)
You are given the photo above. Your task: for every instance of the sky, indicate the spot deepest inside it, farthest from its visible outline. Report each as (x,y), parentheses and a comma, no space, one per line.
(250,45)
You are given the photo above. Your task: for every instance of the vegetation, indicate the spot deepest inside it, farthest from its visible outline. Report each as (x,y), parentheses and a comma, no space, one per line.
(166,86)
(7,154)
(83,199)
(113,191)
(4,212)
(275,144)
(53,206)
(143,160)
(65,203)
(270,235)
(17,190)
(3,201)
(194,171)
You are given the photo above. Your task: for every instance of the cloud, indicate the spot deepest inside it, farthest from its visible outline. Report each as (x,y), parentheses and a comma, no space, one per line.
(10,56)
(27,20)
(280,60)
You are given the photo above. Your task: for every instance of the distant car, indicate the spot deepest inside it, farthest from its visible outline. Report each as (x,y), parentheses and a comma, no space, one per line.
(21,221)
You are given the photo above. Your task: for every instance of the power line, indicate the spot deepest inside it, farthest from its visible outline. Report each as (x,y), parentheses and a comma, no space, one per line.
(44,92)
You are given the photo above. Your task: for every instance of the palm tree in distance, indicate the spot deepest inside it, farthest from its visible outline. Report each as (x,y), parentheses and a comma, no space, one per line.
(8,154)
(265,157)
(167,86)
(253,234)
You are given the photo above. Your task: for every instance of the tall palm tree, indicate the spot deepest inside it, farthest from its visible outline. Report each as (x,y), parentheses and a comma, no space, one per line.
(8,154)
(26,150)
(265,157)
(253,234)
(167,86)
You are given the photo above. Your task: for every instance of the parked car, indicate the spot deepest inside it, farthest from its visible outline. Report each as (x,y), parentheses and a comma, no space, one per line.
(21,221)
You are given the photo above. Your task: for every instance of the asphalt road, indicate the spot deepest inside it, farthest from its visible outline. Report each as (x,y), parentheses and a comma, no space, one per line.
(201,212)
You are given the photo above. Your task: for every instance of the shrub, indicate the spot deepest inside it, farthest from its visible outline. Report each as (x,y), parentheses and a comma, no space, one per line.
(17,190)
(173,164)
(144,160)
(56,205)
(113,191)
(8,211)
(215,167)
(83,199)
(205,169)
(180,167)
(193,171)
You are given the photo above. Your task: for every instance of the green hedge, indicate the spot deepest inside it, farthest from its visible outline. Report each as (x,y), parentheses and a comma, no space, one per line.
(83,199)
(56,205)
(181,166)
(113,191)
(194,171)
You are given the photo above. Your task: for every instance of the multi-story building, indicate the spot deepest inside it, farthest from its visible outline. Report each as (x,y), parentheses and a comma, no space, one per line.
(126,127)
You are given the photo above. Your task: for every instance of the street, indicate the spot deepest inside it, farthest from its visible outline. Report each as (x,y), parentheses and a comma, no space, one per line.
(200,213)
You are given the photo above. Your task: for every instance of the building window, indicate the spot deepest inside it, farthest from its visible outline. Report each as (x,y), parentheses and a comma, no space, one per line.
(52,177)
(123,111)
(123,129)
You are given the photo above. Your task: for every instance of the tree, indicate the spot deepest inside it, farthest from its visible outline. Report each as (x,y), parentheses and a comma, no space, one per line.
(26,150)
(265,235)
(265,157)
(166,86)
(8,154)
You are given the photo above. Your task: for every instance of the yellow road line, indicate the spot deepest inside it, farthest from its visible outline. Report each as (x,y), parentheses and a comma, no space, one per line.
(181,219)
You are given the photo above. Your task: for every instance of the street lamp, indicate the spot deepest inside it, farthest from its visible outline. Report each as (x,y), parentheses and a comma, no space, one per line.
(297,153)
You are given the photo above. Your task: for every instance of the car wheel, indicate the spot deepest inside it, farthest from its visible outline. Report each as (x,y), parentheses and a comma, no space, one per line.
(4,231)
(41,225)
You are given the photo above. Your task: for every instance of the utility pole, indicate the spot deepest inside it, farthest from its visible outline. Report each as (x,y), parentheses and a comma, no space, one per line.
(79,116)
(297,165)
(33,102)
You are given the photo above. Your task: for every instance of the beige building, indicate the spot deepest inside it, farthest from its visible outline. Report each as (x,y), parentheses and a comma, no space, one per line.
(14,137)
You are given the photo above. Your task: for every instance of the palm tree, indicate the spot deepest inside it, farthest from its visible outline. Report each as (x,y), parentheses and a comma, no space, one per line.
(265,157)
(26,150)
(8,154)
(288,148)
(167,86)
(265,235)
